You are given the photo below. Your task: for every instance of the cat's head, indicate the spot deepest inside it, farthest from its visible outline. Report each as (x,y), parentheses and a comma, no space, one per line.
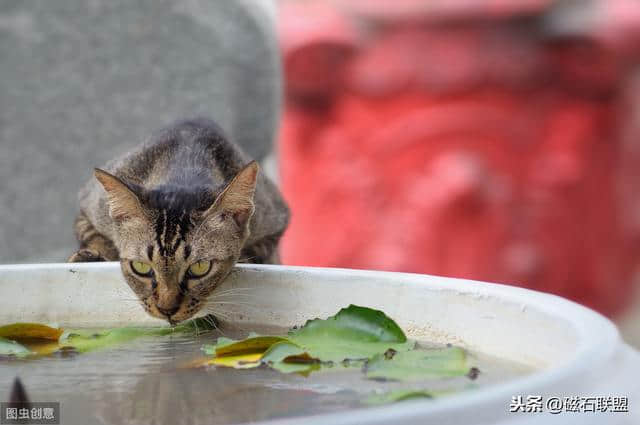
(178,243)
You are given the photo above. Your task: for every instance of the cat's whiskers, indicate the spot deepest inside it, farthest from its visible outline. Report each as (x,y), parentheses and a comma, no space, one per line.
(165,184)
(227,313)
(246,259)
(214,308)
(229,303)
(231,296)
(211,321)
(232,290)
(242,301)
(224,315)
(195,323)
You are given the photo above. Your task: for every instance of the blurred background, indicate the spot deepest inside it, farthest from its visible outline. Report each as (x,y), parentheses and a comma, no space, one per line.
(496,140)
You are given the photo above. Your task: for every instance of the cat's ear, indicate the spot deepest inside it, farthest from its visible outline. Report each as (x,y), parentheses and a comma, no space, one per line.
(123,203)
(237,198)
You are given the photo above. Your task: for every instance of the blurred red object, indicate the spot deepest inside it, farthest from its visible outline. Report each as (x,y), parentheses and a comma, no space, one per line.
(482,142)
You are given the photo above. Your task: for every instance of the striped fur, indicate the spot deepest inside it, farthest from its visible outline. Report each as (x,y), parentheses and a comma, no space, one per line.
(184,196)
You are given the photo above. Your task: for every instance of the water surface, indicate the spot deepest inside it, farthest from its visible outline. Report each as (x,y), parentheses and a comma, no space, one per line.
(145,381)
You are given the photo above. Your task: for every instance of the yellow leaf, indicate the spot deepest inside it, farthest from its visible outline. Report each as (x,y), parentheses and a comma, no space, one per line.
(42,347)
(242,361)
(22,331)
(258,344)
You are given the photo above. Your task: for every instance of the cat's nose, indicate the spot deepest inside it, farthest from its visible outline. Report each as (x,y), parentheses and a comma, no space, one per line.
(168,311)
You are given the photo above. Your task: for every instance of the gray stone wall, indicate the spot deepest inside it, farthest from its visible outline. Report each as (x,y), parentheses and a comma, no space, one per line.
(82,81)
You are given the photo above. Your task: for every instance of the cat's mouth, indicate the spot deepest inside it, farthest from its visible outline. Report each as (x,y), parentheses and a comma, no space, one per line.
(176,314)
(168,314)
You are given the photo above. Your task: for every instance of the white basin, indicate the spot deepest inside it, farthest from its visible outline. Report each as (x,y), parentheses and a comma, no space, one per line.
(575,351)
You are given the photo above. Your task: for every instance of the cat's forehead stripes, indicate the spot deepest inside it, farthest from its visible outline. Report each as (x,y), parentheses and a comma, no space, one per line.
(171,228)
(173,208)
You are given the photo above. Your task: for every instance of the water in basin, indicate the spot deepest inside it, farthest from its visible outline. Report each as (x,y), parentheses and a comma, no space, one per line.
(147,381)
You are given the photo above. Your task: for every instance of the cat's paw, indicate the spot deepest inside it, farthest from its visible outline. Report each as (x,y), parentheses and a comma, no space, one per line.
(85,256)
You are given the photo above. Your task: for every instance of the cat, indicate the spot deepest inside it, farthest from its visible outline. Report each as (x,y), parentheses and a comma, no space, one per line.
(178,212)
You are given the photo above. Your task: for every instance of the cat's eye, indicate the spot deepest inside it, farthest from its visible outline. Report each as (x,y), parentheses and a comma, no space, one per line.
(199,269)
(140,268)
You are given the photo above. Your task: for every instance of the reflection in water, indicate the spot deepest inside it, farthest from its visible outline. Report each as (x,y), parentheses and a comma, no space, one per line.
(191,396)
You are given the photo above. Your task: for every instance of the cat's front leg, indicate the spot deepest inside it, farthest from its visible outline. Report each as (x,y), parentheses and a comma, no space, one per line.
(85,256)
(93,245)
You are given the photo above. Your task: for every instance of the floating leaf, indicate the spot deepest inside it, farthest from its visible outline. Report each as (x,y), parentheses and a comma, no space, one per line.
(88,340)
(224,341)
(221,342)
(340,350)
(300,368)
(353,333)
(240,361)
(237,359)
(41,347)
(42,340)
(12,348)
(19,331)
(419,365)
(397,395)
(289,358)
(281,351)
(258,344)
(83,340)
(368,324)
(243,354)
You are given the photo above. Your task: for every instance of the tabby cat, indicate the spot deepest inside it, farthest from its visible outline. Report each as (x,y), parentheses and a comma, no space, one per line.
(178,212)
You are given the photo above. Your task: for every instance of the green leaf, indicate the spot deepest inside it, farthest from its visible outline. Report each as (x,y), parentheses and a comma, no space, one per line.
(419,365)
(397,395)
(353,333)
(42,340)
(221,342)
(300,368)
(85,340)
(287,357)
(281,351)
(335,350)
(12,348)
(366,324)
